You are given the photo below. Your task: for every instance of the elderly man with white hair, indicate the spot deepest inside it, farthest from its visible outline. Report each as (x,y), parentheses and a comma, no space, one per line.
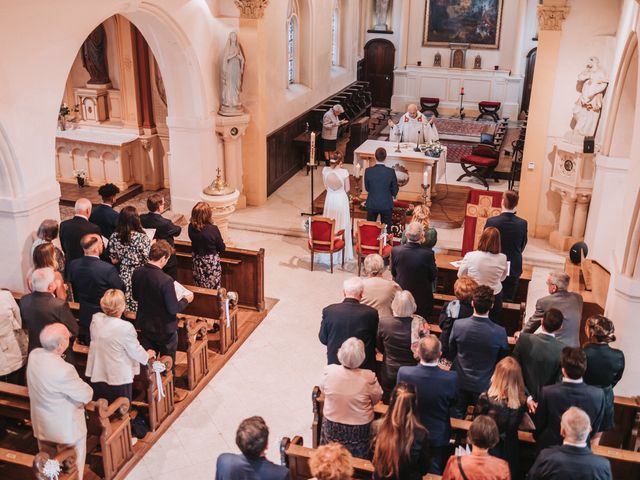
(350,319)
(569,303)
(41,308)
(350,394)
(330,125)
(72,231)
(378,291)
(414,268)
(572,459)
(413,127)
(57,397)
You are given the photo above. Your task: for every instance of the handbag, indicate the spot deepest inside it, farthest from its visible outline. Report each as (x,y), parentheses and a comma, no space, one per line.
(464,476)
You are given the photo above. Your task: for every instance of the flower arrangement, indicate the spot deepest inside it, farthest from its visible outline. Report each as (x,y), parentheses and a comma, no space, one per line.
(81,177)
(64,112)
(434,149)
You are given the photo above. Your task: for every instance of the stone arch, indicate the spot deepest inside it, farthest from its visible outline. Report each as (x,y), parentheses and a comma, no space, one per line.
(10,179)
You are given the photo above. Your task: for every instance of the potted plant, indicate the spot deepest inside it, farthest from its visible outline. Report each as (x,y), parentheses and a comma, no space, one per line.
(81,177)
(63,113)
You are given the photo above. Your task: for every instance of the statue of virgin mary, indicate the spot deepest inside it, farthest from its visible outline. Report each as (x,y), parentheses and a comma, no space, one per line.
(231,77)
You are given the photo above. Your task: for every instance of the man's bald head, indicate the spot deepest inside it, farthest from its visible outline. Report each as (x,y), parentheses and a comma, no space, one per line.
(412,110)
(55,338)
(83,207)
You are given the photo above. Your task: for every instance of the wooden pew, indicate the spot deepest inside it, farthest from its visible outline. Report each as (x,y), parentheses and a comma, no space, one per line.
(108,427)
(295,457)
(17,465)
(242,272)
(626,433)
(146,390)
(448,274)
(625,464)
(192,339)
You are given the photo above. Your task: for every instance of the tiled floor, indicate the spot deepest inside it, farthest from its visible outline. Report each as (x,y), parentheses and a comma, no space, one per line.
(273,372)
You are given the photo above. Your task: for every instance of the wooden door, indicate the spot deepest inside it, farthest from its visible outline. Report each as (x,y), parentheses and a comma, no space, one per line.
(379,59)
(528,80)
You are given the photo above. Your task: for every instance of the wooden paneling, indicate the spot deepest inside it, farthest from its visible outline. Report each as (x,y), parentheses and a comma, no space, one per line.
(283,158)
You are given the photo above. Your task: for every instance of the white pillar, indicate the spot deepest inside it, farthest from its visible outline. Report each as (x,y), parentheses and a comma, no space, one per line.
(567,212)
(580,217)
(231,130)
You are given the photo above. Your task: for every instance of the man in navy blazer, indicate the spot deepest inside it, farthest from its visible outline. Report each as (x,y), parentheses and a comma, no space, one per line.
(477,345)
(90,278)
(350,319)
(436,395)
(381,184)
(72,231)
(573,459)
(513,239)
(571,392)
(165,229)
(103,214)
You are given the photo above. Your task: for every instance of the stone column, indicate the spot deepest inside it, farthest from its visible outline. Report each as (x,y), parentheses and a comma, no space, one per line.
(551,15)
(567,212)
(580,218)
(231,130)
(131,111)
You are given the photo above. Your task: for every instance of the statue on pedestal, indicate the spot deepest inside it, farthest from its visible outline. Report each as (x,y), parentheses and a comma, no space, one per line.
(382,7)
(94,57)
(592,82)
(231,77)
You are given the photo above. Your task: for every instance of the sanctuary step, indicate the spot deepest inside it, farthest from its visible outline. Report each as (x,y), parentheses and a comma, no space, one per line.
(70,192)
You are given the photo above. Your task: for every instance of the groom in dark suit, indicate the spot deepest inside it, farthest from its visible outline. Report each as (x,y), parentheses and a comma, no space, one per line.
(382,186)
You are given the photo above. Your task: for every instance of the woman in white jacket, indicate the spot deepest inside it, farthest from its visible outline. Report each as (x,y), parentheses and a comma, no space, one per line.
(11,358)
(115,354)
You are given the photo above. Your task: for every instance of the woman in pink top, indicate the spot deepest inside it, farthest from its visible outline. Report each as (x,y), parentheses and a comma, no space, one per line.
(483,435)
(350,394)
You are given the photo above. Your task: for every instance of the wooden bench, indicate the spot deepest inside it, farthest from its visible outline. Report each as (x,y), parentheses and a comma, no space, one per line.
(242,272)
(625,464)
(193,340)
(146,395)
(448,274)
(108,427)
(295,457)
(18,465)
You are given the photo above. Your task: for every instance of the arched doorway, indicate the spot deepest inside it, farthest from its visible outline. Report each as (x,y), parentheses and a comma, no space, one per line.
(379,59)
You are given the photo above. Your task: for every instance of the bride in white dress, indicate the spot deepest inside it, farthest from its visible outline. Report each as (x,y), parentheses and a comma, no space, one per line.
(336,204)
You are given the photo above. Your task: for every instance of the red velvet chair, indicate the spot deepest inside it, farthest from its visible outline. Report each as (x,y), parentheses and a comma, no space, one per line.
(480,164)
(369,240)
(324,239)
(489,109)
(430,104)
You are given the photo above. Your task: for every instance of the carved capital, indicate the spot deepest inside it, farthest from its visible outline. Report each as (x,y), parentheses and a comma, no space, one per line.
(551,17)
(251,8)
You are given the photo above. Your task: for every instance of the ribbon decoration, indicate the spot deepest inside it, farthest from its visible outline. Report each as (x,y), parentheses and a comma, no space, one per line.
(158,368)
(52,469)
(226,312)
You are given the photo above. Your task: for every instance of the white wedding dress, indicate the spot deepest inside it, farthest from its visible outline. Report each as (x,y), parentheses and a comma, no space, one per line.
(336,206)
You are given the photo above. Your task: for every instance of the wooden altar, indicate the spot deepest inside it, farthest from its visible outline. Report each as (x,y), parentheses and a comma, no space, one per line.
(415,165)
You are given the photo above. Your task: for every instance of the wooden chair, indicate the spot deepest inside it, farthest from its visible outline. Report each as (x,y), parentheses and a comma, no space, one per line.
(488,109)
(324,239)
(369,240)
(480,164)
(430,104)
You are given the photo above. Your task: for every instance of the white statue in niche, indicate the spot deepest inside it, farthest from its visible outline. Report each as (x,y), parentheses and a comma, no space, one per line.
(382,7)
(592,82)
(231,77)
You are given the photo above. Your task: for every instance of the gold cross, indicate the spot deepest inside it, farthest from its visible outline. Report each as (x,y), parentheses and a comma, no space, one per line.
(482,211)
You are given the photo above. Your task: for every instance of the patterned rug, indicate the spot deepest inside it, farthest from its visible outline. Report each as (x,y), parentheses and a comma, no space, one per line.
(471,128)
(457,150)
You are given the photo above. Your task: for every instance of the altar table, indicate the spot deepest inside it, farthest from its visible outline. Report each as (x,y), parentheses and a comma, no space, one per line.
(418,167)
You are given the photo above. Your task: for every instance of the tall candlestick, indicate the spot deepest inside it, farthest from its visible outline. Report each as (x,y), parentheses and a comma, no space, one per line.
(312,146)
(425,177)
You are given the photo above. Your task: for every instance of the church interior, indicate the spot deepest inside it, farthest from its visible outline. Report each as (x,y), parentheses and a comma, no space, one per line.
(251,110)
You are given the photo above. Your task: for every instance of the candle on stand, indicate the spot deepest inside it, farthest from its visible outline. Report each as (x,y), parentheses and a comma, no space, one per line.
(461,90)
(357,171)
(312,147)
(425,178)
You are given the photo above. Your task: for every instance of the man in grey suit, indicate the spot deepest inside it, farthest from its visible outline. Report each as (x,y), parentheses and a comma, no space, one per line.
(57,397)
(570,304)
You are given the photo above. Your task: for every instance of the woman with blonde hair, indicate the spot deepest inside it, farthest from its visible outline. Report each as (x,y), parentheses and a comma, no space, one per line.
(402,442)
(115,354)
(206,246)
(605,365)
(487,266)
(422,215)
(459,308)
(505,402)
(45,255)
(331,462)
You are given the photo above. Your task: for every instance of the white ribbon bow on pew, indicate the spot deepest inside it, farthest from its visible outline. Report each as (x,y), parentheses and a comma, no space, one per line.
(52,469)
(226,312)
(158,368)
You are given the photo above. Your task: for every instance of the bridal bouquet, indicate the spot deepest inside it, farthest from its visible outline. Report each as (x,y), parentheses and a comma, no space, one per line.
(434,149)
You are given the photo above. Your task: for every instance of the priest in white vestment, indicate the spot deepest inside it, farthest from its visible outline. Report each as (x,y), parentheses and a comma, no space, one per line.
(413,127)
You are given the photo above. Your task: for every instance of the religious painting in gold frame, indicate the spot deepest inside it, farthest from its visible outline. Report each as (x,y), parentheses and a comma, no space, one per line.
(476,22)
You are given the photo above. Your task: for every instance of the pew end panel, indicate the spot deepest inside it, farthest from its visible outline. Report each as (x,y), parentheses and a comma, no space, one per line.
(146,392)
(67,460)
(192,339)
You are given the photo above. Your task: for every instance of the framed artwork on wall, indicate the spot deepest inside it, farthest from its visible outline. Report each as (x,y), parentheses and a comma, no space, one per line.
(476,22)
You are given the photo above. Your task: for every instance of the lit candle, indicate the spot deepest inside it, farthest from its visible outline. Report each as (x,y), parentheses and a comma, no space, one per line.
(312,146)
(461,90)
(357,174)
(425,178)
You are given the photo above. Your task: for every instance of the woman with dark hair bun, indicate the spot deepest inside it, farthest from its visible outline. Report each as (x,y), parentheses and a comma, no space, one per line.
(605,365)
(129,247)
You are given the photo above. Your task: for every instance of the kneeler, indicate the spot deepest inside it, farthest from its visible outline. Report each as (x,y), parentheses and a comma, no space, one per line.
(481,204)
